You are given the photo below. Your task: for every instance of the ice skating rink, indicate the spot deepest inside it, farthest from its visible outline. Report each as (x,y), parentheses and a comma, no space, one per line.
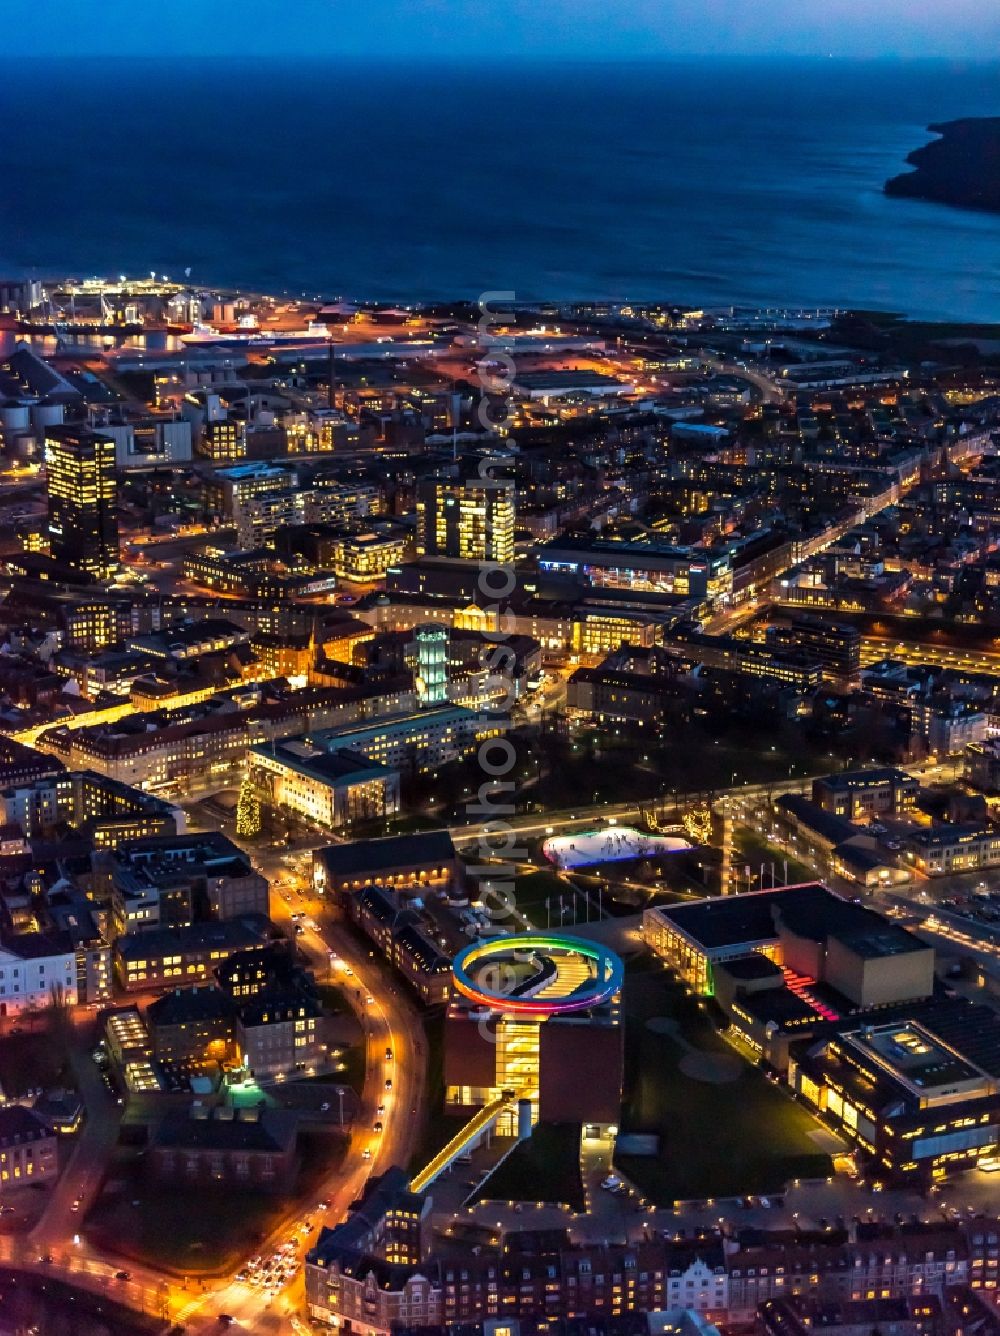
(615,844)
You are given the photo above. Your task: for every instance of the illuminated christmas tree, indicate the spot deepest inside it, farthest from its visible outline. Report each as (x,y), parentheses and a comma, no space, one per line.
(248,816)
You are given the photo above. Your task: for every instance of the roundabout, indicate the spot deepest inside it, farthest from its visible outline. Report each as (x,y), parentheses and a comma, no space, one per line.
(579,974)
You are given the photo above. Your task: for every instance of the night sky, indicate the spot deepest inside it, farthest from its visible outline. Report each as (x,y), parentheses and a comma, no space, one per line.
(532,28)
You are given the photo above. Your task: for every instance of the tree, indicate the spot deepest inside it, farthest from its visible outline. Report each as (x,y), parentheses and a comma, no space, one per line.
(248,814)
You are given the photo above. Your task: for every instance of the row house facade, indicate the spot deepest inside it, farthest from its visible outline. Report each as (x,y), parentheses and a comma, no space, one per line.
(540,1275)
(910,1261)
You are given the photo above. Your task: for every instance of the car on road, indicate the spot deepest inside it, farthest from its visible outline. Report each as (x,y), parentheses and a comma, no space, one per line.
(123,1275)
(366,1154)
(388,1055)
(377,1127)
(370,1000)
(388,1083)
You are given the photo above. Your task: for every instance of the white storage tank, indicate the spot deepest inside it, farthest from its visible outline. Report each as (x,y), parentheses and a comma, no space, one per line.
(14,418)
(47,415)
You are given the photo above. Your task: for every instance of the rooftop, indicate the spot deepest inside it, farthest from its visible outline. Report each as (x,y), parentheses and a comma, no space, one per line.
(948,834)
(911,1052)
(416,719)
(18,1124)
(369,857)
(270,1130)
(836,829)
(184,1005)
(333,767)
(810,910)
(752,966)
(233,935)
(584,546)
(866,779)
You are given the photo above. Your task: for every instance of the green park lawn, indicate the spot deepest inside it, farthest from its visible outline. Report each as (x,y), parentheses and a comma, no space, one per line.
(716,1140)
(752,850)
(545,1168)
(531,889)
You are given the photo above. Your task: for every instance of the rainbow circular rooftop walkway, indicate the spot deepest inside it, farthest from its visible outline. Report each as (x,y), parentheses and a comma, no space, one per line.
(568,991)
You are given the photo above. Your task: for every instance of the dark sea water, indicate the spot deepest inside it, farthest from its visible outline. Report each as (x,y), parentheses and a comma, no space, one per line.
(709,182)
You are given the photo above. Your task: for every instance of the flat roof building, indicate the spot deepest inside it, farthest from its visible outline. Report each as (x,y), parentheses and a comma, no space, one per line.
(918,1094)
(192,1026)
(422,740)
(466,519)
(330,787)
(177,956)
(646,564)
(425,858)
(83,496)
(807,929)
(952,848)
(862,795)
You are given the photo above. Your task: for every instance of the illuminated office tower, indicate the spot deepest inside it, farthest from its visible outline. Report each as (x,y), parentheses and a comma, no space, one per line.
(215,434)
(432,664)
(471,519)
(83,523)
(224,441)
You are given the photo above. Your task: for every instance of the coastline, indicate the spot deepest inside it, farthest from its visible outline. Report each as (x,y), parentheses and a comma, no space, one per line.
(960,168)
